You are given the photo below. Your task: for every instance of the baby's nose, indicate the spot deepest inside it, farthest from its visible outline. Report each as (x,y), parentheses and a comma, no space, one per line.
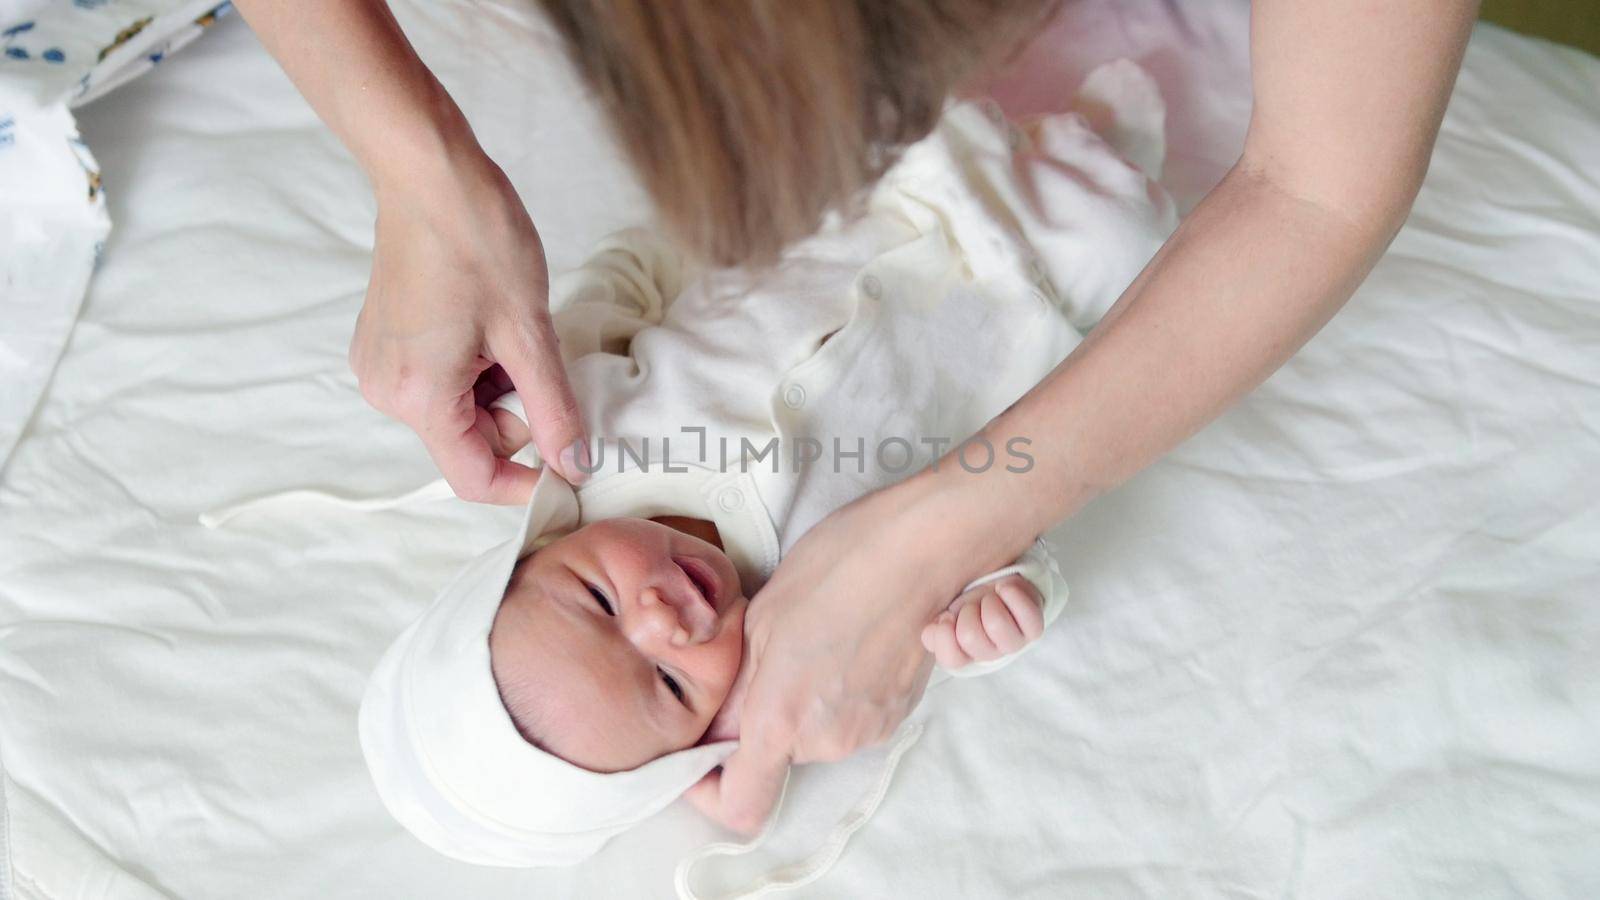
(655,621)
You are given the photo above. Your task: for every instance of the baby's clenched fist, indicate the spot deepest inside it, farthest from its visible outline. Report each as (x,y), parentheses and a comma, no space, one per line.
(986,623)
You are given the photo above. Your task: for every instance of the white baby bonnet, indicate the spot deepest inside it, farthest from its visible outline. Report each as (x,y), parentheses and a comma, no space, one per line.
(445,756)
(451,767)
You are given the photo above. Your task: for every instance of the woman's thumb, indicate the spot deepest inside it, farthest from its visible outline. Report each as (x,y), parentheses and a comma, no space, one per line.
(535,369)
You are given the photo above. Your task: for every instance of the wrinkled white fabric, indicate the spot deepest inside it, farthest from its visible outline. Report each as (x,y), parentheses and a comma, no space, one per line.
(53,222)
(52,225)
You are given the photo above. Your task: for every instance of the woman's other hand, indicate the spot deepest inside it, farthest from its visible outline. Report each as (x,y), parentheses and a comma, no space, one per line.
(835,659)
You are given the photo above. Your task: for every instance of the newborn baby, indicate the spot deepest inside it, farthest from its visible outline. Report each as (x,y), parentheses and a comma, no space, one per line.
(579,677)
(657,605)
(571,681)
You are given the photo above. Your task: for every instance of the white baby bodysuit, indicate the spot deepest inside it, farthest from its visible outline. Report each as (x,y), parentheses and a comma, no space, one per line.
(873,347)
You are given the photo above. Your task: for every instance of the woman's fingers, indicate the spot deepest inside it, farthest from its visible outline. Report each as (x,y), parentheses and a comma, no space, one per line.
(753,777)
(705,795)
(530,356)
(833,642)
(469,443)
(457,314)
(511,433)
(491,385)
(460,437)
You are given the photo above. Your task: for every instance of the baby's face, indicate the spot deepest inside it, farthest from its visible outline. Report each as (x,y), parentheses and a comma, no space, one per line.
(619,643)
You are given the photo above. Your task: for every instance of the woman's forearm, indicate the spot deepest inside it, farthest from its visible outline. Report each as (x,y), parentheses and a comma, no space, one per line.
(1247,279)
(353,64)
(1348,100)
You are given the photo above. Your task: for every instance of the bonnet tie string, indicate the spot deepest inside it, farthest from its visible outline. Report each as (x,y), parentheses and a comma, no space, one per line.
(819,861)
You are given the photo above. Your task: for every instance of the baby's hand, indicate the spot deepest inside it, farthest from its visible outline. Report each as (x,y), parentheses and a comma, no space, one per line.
(986,623)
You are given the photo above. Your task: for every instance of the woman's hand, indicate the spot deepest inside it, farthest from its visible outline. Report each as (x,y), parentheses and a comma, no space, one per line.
(834,658)
(456,314)
(457,310)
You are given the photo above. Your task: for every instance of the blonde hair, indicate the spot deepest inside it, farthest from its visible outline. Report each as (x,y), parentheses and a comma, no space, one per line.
(748,120)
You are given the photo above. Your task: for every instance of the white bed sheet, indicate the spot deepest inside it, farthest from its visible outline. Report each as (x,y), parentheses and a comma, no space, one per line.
(1345,642)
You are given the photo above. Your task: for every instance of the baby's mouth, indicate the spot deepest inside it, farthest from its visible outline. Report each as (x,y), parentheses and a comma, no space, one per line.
(704,578)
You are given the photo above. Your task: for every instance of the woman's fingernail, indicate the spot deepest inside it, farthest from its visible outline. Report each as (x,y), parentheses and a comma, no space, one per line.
(575,462)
